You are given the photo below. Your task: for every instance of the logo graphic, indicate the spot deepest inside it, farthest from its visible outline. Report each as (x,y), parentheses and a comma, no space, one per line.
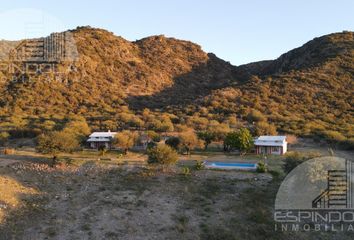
(317,196)
(50,58)
(339,190)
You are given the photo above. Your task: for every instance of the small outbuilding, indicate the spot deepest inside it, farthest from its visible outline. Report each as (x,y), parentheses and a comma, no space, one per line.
(276,145)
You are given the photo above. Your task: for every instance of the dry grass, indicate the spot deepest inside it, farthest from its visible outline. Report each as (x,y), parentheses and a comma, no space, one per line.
(92,200)
(11,195)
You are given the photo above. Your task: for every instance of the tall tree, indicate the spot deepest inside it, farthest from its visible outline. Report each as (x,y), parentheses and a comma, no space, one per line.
(189,141)
(56,142)
(125,140)
(207,137)
(241,140)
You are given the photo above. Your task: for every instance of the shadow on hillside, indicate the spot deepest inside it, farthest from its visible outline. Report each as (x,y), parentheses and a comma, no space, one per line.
(189,87)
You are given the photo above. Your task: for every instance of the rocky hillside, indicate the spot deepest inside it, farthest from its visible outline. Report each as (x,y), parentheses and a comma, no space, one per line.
(308,90)
(111,69)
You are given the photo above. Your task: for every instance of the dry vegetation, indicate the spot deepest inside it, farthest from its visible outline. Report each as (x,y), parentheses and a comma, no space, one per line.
(95,201)
(161,84)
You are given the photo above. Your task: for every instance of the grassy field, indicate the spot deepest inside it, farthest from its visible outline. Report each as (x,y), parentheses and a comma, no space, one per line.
(123,198)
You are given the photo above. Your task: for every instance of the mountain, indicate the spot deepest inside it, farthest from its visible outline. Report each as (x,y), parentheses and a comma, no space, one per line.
(110,81)
(110,69)
(308,90)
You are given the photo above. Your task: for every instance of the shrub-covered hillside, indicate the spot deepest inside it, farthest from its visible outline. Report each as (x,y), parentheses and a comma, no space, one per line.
(164,84)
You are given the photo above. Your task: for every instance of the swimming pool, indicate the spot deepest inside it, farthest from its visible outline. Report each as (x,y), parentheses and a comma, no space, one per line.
(223,165)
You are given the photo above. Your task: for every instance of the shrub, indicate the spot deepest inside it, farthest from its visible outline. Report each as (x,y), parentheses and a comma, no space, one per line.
(189,141)
(173,142)
(219,130)
(162,154)
(55,142)
(291,139)
(199,165)
(265,128)
(348,144)
(125,140)
(333,136)
(207,137)
(154,136)
(4,136)
(151,145)
(262,167)
(241,140)
(293,159)
(102,149)
(256,116)
(186,171)
(9,151)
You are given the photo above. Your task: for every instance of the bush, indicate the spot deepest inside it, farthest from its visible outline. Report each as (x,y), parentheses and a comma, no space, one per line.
(333,136)
(256,116)
(102,150)
(151,145)
(199,165)
(207,137)
(9,151)
(186,171)
(347,144)
(293,159)
(4,136)
(162,154)
(154,136)
(55,142)
(173,142)
(241,140)
(265,128)
(125,140)
(189,141)
(262,167)
(291,139)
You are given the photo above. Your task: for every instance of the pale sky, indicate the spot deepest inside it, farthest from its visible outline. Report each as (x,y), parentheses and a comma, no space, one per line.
(236,31)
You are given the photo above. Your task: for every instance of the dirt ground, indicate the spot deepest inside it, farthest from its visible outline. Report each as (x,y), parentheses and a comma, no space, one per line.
(123,201)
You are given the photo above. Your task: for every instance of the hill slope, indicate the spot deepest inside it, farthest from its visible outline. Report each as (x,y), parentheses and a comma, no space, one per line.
(305,91)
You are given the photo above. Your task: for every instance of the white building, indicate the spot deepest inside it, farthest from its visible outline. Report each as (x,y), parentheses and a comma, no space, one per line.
(276,145)
(98,139)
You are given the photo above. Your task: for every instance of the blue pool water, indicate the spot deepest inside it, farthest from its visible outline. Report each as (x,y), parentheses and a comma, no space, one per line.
(224,165)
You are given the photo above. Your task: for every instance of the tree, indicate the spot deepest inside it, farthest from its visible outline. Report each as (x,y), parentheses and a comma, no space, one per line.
(231,141)
(207,137)
(136,122)
(166,126)
(125,140)
(162,154)
(245,140)
(256,116)
(220,130)
(293,159)
(4,136)
(173,142)
(154,136)
(265,128)
(189,141)
(78,127)
(241,140)
(56,142)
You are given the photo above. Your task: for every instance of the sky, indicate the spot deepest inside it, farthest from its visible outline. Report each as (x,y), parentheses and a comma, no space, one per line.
(236,31)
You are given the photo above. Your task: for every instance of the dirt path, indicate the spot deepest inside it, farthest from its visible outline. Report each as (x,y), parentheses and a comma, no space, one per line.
(7,162)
